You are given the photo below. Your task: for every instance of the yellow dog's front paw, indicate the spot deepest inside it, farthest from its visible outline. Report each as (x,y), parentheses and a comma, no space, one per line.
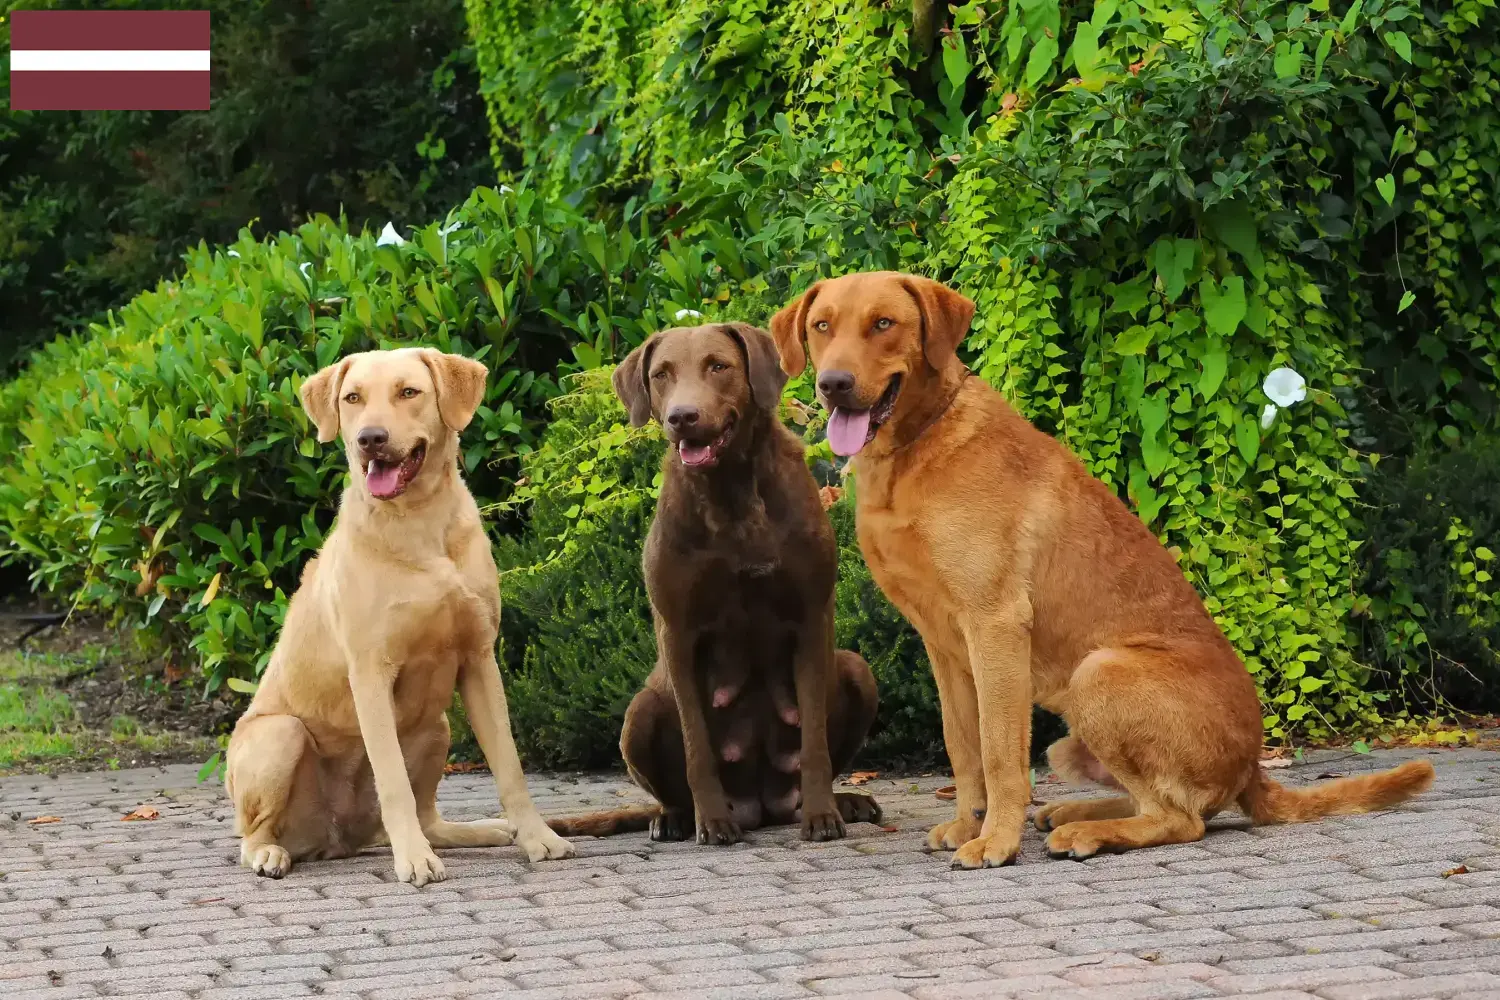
(952,835)
(415,863)
(266,860)
(994,851)
(541,844)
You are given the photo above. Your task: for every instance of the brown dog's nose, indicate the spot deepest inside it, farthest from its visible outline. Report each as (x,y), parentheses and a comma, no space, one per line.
(679,417)
(370,438)
(835,382)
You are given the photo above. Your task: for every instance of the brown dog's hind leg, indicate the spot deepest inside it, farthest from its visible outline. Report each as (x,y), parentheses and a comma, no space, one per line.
(651,743)
(851,712)
(1056,814)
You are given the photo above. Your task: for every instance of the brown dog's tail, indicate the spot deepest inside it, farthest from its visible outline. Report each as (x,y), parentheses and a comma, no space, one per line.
(1267,802)
(605,824)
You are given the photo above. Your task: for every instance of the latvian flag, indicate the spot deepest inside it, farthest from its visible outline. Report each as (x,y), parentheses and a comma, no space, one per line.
(109,60)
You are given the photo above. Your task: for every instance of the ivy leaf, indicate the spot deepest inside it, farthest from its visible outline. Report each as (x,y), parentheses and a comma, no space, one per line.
(1398,41)
(1236,228)
(1360,746)
(1325,45)
(1223,308)
(1174,259)
(1153,413)
(1134,340)
(1040,60)
(955,60)
(1148,502)
(1247,436)
(1406,300)
(1347,24)
(1086,50)
(1387,187)
(1215,363)
(1288,61)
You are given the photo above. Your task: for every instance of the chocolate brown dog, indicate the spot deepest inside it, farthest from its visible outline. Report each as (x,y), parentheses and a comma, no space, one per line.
(749,711)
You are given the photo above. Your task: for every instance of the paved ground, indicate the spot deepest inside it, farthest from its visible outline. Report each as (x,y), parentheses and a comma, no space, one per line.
(1401,905)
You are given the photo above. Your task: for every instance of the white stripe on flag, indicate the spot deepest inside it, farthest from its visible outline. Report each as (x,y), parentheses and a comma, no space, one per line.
(99,61)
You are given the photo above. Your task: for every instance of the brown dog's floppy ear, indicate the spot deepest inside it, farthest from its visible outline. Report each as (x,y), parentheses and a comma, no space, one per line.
(459,383)
(762,367)
(320,398)
(945,318)
(789,330)
(632,381)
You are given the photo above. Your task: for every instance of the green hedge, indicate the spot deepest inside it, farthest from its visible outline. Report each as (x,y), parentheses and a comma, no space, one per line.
(162,468)
(1154,205)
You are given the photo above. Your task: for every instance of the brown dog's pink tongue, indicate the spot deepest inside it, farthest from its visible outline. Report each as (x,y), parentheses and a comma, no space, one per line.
(381,479)
(847,430)
(693,454)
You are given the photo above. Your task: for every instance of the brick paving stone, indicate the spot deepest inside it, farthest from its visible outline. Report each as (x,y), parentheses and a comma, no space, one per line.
(1354,906)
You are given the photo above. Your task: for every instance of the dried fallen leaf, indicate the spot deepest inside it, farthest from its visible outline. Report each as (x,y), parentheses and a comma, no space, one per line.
(211,899)
(829,495)
(1278,762)
(861,777)
(947,792)
(140,812)
(1330,774)
(1460,870)
(891,829)
(464,767)
(40,820)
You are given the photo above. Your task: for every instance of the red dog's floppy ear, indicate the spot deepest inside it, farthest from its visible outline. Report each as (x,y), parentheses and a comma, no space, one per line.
(789,330)
(632,381)
(945,318)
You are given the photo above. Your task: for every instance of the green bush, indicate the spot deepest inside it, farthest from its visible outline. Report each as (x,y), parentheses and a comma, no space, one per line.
(365,107)
(162,468)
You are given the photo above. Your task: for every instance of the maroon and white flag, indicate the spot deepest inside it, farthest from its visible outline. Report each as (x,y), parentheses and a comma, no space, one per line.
(109,60)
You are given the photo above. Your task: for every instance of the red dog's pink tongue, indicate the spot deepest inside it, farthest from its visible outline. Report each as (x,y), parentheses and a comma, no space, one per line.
(693,454)
(382,480)
(847,430)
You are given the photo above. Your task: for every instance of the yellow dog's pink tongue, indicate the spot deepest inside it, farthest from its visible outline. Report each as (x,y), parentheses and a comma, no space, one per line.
(847,430)
(381,479)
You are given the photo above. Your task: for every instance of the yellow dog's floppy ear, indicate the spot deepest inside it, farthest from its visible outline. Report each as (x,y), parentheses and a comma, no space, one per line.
(789,330)
(945,318)
(320,398)
(632,381)
(459,382)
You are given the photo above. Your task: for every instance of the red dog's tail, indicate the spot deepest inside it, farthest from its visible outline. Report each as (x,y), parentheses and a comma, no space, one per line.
(1267,802)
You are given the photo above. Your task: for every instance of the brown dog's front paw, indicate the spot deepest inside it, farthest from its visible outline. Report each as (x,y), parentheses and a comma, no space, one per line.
(952,835)
(857,807)
(672,824)
(719,832)
(995,851)
(827,825)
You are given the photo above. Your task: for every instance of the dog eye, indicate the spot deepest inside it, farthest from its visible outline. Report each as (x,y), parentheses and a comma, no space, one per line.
(351,397)
(659,375)
(717,366)
(884,324)
(410,393)
(821,326)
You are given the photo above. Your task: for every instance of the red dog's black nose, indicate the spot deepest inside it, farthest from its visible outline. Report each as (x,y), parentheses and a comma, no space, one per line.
(835,382)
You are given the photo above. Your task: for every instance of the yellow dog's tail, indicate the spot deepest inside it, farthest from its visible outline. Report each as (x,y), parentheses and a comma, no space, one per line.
(606,823)
(1267,802)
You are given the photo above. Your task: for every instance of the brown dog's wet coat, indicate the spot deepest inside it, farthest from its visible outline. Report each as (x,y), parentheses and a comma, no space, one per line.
(749,711)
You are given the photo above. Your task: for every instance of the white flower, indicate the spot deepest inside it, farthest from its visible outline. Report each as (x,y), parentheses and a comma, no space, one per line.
(389,237)
(234,253)
(304,267)
(504,189)
(1285,387)
(685,313)
(1267,415)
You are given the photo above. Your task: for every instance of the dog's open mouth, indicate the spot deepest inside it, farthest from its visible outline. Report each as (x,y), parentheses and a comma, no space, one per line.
(702,455)
(387,479)
(850,430)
